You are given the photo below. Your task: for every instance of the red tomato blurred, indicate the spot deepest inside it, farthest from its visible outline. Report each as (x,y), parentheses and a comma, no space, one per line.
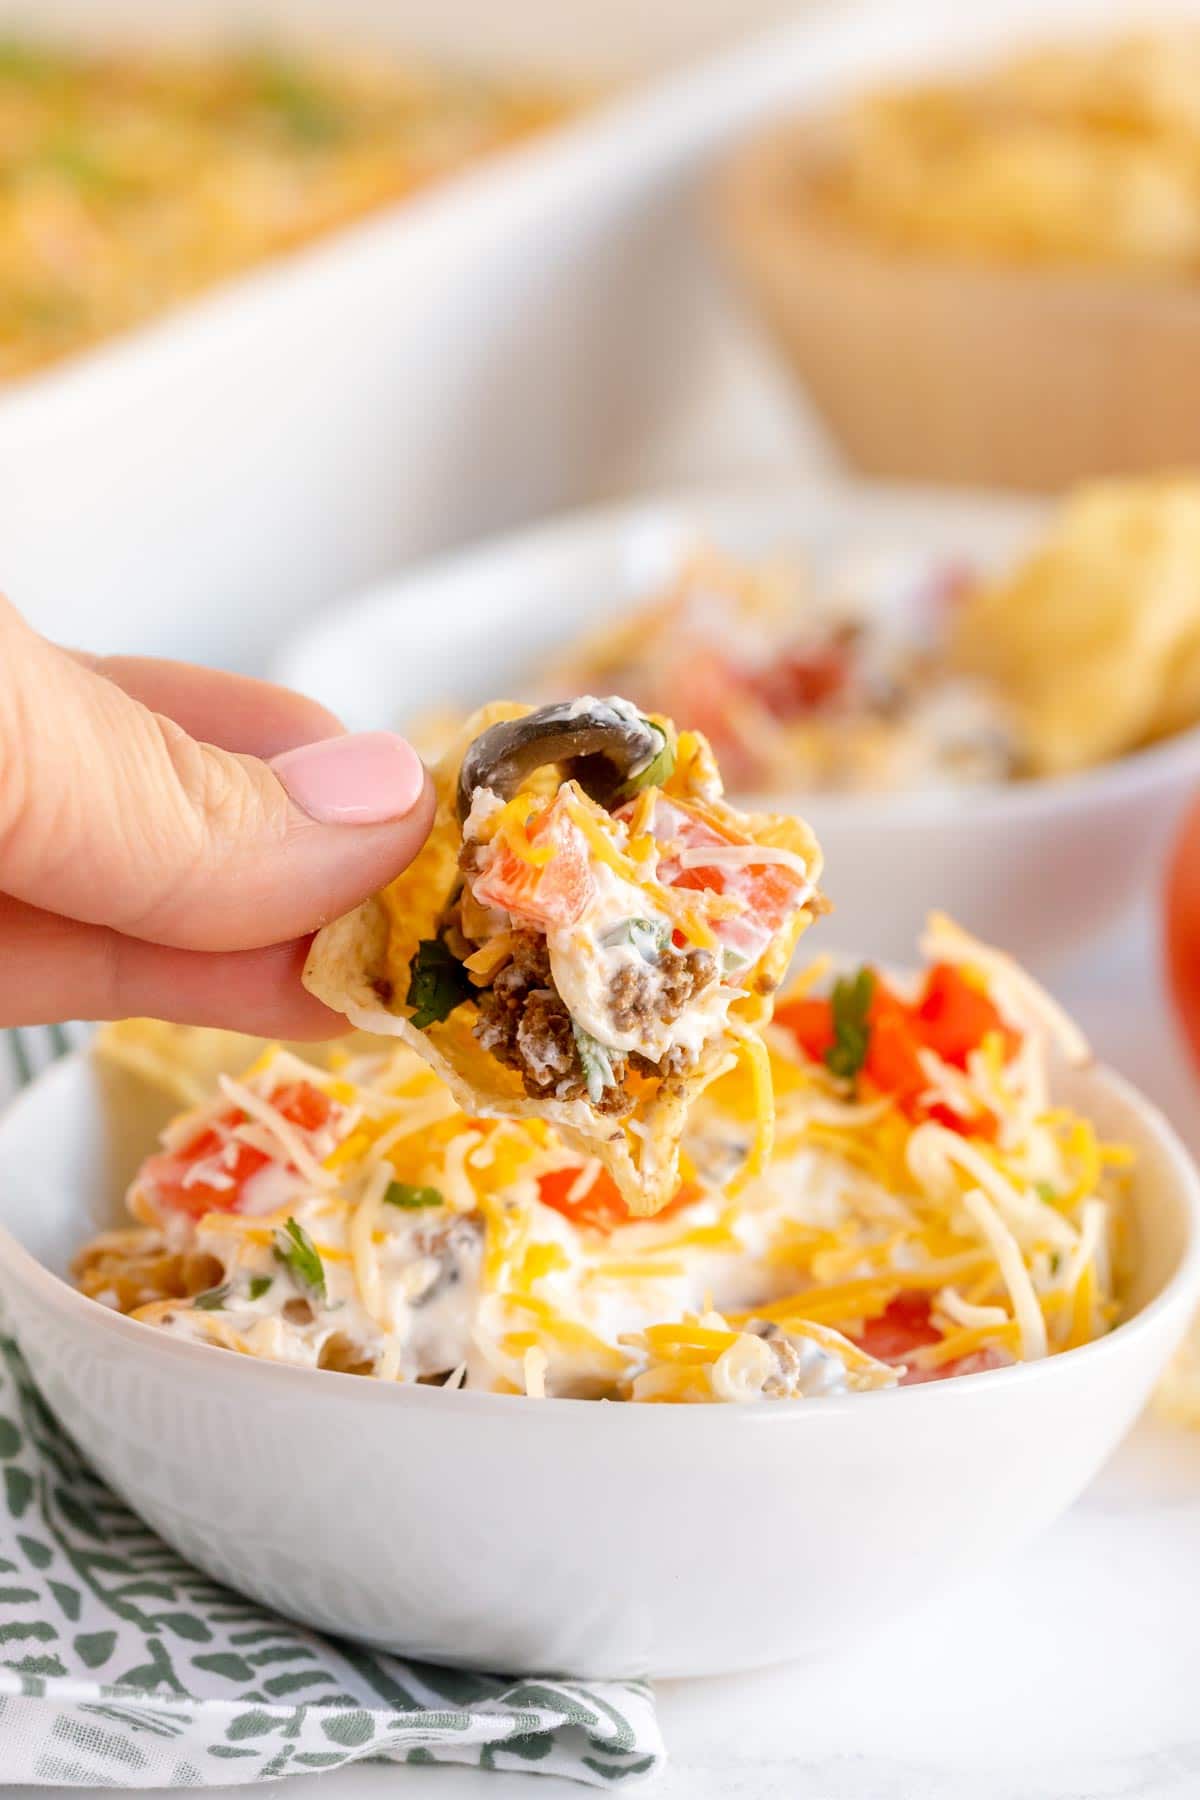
(769,890)
(893,1061)
(702,688)
(601,1208)
(800,681)
(951,1018)
(906,1327)
(810,1023)
(1181,928)
(162,1177)
(956,1017)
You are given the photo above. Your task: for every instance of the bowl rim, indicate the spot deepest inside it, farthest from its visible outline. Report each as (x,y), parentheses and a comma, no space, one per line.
(709,508)
(1179,1293)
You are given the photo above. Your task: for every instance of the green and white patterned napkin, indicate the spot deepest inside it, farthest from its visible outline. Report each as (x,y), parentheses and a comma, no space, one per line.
(122,1666)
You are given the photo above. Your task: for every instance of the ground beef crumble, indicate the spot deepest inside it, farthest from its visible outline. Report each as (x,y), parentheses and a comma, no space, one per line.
(526,1026)
(785,1380)
(641,996)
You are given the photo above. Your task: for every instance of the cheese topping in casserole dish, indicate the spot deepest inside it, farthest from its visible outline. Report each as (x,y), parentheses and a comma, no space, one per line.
(129,182)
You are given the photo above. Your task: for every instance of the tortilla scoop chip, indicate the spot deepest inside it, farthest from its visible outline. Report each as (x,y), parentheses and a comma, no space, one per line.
(1093,637)
(359,966)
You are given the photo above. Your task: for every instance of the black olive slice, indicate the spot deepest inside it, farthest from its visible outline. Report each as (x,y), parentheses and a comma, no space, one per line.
(598,743)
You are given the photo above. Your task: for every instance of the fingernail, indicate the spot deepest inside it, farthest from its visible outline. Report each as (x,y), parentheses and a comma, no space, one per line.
(364,778)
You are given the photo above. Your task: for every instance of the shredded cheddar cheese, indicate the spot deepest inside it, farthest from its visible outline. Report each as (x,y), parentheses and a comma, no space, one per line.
(831,1237)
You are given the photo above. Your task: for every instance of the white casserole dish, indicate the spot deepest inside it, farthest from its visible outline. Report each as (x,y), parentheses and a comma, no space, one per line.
(1038,867)
(453,364)
(542,333)
(565,1535)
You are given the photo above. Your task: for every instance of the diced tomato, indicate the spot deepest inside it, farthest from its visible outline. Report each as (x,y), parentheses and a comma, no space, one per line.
(810,1023)
(162,1177)
(552,893)
(1181,929)
(303,1104)
(893,1061)
(702,688)
(906,1326)
(956,1016)
(601,1208)
(896,1333)
(768,891)
(951,1018)
(799,682)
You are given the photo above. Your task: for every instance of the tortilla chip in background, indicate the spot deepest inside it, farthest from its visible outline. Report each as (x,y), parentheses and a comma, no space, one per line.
(1095,637)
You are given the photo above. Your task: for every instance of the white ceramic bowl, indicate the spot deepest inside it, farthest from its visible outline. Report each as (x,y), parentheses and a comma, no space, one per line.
(567,1535)
(1038,867)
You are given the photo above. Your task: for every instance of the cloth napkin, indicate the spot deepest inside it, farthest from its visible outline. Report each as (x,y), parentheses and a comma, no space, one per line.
(122,1666)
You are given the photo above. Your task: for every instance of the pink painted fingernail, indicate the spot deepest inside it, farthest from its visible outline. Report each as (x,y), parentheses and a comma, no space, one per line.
(364,778)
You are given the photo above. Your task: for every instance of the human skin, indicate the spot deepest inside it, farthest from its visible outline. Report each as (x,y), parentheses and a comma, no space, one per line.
(171,836)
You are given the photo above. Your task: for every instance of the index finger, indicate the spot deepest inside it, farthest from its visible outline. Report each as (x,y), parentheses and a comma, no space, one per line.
(236,712)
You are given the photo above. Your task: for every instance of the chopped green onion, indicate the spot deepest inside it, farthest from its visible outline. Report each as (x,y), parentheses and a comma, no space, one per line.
(851,1029)
(212,1300)
(437,983)
(657,772)
(259,1285)
(296,1251)
(649,937)
(596,1059)
(403,1193)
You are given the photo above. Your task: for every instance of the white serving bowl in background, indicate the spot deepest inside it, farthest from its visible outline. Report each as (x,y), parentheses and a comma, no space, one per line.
(1039,867)
(566,1535)
(542,332)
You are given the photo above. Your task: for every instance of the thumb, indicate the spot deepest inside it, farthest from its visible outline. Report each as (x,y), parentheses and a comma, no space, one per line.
(113,814)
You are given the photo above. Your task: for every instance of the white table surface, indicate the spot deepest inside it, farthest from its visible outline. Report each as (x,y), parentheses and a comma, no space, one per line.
(1067,1672)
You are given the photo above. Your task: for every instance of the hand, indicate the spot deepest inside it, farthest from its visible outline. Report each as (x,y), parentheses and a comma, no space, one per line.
(169,836)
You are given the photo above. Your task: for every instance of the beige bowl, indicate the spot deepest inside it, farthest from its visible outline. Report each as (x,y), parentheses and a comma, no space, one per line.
(956,372)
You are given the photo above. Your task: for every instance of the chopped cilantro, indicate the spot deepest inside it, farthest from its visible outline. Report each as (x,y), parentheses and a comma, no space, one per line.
(212,1299)
(259,1285)
(851,1029)
(597,1063)
(657,772)
(437,983)
(296,1251)
(403,1193)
